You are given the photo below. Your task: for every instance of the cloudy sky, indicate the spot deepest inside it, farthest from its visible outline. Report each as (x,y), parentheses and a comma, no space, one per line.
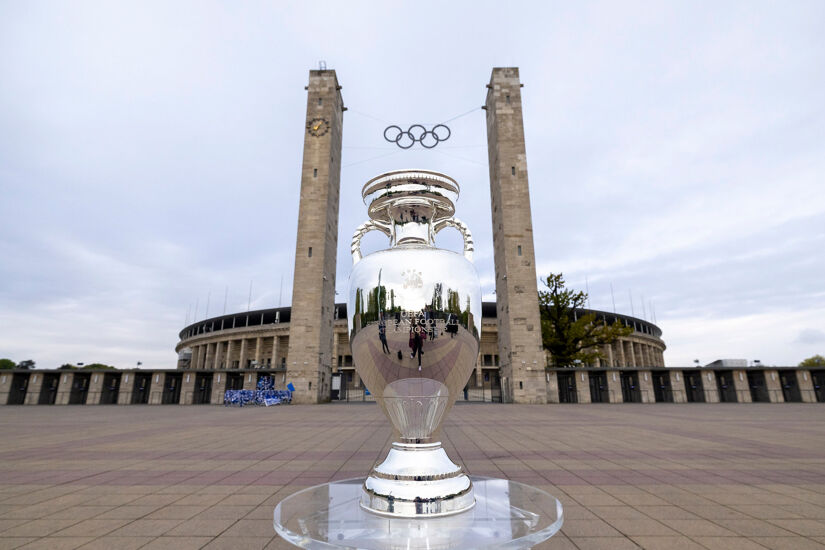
(150,157)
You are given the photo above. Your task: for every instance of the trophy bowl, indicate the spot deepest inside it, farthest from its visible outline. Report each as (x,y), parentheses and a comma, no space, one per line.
(414,314)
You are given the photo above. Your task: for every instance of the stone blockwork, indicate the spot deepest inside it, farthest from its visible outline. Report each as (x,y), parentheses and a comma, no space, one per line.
(313,298)
(519,325)
(591,385)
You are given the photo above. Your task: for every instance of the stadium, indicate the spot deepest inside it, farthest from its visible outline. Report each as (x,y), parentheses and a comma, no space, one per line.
(259,340)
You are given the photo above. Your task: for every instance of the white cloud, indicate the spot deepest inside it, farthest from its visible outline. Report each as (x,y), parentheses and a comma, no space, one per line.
(150,157)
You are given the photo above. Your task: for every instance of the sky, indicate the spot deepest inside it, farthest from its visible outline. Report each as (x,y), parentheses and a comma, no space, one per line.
(150,160)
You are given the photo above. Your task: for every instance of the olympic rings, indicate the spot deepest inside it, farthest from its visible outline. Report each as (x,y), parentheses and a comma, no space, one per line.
(417,133)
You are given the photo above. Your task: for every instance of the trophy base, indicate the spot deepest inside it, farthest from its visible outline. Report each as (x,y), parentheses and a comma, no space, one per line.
(417,480)
(507,514)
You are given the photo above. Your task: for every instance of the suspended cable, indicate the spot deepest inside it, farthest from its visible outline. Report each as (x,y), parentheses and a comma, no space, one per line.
(474,109)
(461,158)
(357,112)
(371,158)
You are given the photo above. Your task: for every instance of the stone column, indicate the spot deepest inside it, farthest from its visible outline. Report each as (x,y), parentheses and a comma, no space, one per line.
(210,356)
(806,386)
(335,366)
(313,298)
(609,349)
(193,361)
(229,347)
(218,355)
(242,358)
(218,388)
(124,392)
(187,388)
(33,389)
(275,351)
(6,386)
(774,386)
(64,388)
(95,388)
(583,386)
(710,386)
(740,384)
(552,381)
(156,389)
(518,319)
(258,345)
(677,386)
(646,386)
(614,387)
(250,380)
(622,359)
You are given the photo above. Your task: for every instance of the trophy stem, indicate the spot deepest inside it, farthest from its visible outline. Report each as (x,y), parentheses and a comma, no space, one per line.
(417,480)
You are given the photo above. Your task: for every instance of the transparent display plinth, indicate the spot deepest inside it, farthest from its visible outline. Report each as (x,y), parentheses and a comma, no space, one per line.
(507,514)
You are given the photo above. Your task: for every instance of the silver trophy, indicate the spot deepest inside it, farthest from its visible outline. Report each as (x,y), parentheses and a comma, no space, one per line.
(414,314)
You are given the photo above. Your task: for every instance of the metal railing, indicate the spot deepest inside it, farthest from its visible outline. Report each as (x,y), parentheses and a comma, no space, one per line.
(356,395)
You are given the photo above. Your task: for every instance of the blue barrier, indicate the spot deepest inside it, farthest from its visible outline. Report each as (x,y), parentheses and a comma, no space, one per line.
(240,398)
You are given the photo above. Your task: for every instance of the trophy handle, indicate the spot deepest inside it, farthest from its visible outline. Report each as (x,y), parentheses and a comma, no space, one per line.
(465,232)
(362,230)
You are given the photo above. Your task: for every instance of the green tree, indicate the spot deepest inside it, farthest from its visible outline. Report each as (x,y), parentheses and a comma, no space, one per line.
(66,366)
(453,305)
(7,364)
(437,301)
(97,366)
(815,361)
(569,336)
(27,364)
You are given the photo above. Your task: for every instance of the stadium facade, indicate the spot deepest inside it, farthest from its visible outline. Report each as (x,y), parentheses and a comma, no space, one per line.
(258,340)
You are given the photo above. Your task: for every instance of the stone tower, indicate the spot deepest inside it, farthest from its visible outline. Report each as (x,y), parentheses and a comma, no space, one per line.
(519,328)
(309,359)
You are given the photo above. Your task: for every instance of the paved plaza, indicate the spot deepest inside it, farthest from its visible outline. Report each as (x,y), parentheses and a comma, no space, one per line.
(718,477)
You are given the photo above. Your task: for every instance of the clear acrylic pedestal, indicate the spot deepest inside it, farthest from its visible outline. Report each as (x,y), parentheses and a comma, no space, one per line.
(507,514)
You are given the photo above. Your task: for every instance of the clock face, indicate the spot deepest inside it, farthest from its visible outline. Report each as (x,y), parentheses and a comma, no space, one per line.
(318,127)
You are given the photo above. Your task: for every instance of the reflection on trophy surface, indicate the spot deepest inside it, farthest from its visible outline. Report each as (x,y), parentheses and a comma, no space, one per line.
(414,314)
